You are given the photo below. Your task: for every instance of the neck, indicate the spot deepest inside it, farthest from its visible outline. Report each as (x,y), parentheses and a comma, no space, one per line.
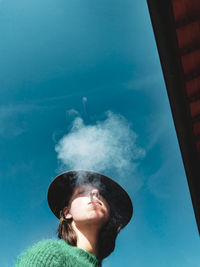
(87,237)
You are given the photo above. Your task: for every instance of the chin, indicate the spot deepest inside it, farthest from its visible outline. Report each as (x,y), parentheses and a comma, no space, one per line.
(98,219)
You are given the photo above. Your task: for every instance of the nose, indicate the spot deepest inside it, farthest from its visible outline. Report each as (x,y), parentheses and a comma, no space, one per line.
(94,192)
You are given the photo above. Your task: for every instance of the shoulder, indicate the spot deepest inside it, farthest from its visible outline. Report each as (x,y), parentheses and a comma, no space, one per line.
(44,253)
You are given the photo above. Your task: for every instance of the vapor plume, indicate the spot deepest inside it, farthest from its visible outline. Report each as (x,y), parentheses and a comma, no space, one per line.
(108,146)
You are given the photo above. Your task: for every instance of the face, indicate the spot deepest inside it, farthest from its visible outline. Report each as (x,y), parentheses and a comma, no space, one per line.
(87,206)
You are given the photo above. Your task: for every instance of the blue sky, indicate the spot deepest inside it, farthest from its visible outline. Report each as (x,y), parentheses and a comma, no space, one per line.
(54,53)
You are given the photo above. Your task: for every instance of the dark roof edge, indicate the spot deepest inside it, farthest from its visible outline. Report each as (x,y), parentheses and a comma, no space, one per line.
(161,14)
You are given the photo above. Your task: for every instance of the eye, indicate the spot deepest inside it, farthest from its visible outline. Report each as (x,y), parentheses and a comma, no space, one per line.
(82,191)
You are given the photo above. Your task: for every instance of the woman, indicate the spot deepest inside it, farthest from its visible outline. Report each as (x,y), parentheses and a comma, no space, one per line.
(92,209)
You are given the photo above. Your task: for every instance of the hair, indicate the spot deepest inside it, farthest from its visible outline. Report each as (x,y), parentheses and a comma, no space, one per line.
(107,235)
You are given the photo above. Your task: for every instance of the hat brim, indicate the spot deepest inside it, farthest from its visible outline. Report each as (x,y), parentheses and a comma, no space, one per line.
(61,188)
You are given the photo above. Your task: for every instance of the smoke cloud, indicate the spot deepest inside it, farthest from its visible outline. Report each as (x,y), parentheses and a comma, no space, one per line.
(108,147)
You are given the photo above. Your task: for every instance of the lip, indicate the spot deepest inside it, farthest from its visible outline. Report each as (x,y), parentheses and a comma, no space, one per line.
(95,203)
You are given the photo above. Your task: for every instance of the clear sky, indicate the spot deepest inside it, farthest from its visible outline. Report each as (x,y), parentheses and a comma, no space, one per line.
(67,57)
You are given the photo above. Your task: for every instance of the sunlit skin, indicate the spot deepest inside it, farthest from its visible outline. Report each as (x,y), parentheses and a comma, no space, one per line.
(89,211)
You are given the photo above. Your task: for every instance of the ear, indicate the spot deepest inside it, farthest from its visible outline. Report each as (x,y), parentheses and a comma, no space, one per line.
(66,213)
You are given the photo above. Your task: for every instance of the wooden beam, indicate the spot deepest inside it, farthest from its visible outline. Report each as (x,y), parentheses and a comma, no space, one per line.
(184,22)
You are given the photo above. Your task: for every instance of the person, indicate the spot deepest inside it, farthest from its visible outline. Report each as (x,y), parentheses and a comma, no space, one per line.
(92,209)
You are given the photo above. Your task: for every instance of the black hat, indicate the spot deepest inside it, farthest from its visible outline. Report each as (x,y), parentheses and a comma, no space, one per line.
(61,188)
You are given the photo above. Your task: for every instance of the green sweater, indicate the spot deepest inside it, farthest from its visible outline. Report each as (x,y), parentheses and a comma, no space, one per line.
(56,253)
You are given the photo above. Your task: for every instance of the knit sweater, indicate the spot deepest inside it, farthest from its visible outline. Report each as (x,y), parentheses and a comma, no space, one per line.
(56,253)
